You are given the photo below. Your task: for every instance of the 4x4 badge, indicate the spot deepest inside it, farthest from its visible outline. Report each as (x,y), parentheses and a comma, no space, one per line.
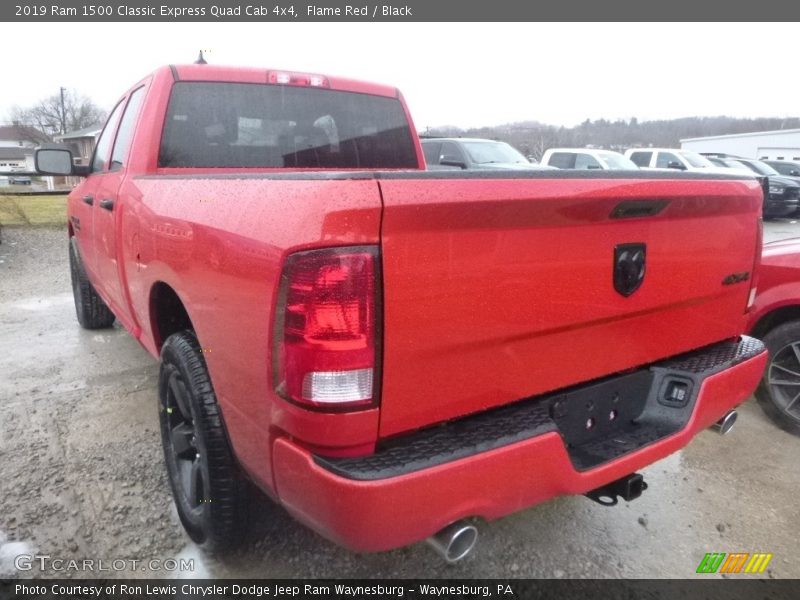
(629,267)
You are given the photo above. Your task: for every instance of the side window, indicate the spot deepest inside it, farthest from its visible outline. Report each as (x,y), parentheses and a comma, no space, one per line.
(664,158)
(562,160)
(119,155)
(451,151)
(586,161)
(641,159)
(103,149)
(431,150)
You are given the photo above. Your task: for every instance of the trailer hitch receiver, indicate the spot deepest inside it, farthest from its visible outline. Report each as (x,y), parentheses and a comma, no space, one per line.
(628,488)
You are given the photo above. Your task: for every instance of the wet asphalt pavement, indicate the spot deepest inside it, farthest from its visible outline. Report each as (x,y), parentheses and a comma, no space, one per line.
(81,474)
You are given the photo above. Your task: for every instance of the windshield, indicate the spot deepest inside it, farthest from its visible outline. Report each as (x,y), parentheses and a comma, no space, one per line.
(758,167)
(786,168)
(727,163)
(493,152)
(732,164)
(696,160)
(617,161)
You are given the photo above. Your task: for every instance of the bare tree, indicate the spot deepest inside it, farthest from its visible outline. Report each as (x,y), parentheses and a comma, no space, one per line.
(59,113)
(542,139)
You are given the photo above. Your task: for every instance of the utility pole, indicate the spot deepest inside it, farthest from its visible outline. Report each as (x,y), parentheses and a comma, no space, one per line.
(63,113)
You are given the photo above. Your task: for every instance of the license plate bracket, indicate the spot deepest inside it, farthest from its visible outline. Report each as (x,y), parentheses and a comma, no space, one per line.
(600,410)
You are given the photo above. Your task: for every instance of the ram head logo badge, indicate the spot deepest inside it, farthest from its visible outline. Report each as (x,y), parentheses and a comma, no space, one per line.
(629,267)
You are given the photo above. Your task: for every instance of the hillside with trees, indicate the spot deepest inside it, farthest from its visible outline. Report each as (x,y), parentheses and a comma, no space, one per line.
(533,138)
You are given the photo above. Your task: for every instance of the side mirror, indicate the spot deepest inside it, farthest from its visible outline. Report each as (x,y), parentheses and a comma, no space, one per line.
(794,173)
(53,161)
(452,161)
(674,164)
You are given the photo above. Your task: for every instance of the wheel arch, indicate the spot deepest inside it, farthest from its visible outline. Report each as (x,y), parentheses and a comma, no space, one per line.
(775,318)
(168,313)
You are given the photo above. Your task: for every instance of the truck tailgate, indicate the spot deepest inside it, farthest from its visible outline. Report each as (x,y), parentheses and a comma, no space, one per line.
(498,288)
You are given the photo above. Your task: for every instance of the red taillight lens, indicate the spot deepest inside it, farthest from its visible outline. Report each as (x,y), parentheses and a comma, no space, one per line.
(326,335)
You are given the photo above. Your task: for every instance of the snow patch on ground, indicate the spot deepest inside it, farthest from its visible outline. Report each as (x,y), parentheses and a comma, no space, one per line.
(9,551)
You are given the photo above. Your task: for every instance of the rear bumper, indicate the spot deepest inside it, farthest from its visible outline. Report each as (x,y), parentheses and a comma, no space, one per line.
(390,500)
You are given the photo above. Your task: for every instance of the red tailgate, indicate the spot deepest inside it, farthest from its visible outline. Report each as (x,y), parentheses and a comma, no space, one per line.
(499,289)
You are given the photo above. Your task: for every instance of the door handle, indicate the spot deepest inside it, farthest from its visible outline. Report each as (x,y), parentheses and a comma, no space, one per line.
(88,200)
(108,204)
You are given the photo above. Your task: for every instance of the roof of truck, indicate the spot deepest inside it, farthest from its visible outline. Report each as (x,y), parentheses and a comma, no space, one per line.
(218,73)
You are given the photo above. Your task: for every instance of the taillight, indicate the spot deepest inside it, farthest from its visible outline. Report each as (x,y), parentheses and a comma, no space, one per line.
(326,332)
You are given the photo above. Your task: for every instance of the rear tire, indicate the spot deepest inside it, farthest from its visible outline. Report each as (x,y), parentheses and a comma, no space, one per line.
(207,486)
(779,390)
(90,309)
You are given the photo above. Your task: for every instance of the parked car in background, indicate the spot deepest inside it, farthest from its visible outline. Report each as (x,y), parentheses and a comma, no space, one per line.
(785,167)
(586,158)
(775,318)
(729,163)
(671,158)
(19,180)
(473,153)
(783,199)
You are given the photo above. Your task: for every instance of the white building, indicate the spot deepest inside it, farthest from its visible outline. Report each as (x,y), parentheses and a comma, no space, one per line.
(19,136)
(783,144)
(16,159)
(81,142)
(17,143)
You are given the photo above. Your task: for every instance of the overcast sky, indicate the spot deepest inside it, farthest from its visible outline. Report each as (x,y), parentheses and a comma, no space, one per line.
(462,74)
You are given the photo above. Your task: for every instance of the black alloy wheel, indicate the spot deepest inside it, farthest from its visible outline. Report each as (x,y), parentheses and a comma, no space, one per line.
(779,390)
(207,485)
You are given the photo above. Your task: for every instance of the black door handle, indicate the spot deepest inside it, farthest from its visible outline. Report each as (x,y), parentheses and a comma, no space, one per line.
(88,200)
(108,204)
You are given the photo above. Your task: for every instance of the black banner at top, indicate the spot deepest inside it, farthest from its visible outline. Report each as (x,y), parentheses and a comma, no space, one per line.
(393,10)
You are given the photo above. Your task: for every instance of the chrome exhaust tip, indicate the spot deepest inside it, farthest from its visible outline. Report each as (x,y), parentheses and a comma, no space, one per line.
(725,424)
(455,541)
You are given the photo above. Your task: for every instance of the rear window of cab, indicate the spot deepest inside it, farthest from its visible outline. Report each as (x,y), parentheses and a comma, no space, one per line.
(277,126)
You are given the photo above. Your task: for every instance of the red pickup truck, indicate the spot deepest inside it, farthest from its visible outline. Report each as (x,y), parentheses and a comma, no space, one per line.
(775,318)
(388,352)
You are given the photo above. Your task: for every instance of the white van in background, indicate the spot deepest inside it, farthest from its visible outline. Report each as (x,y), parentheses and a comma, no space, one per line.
(672,158)
(586,158)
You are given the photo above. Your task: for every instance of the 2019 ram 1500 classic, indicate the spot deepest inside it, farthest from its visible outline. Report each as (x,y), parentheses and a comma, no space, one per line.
(388,352)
